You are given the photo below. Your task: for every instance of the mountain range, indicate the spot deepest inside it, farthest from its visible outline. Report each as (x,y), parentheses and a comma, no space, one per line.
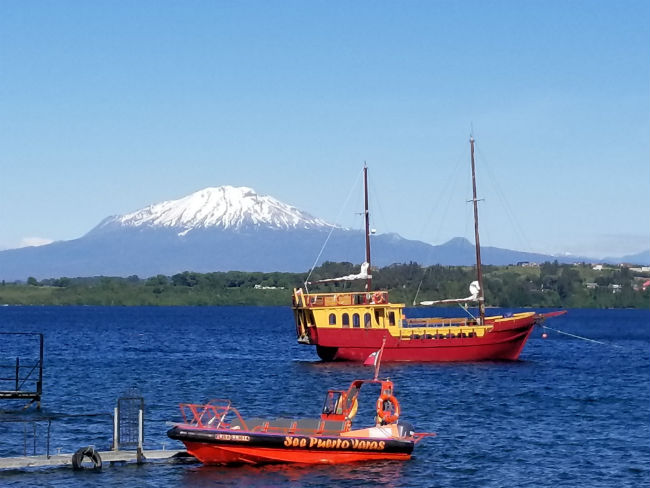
(234,228)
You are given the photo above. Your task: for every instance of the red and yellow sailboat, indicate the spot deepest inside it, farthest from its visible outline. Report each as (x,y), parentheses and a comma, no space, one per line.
(349,326)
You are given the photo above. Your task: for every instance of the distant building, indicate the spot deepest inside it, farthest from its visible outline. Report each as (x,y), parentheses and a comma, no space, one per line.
(591,286)
(527,264)
(260,287)
(642,269)
(615,288)
(597,267)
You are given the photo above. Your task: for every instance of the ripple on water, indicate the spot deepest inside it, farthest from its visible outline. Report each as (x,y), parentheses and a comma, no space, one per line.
(570,413)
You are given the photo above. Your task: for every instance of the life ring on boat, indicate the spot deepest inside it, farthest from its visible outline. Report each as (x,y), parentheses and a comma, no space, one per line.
(384,414)
(340,300)
(378,297)
(91,454)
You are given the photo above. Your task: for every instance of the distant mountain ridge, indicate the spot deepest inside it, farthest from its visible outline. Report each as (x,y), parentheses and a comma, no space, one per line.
(226,229)
(638,258)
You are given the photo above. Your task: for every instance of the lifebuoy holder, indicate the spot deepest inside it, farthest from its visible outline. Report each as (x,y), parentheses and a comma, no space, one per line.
(385,414)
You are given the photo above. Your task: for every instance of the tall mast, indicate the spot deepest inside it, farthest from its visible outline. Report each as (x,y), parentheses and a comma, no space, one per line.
(367,218)
(479,272)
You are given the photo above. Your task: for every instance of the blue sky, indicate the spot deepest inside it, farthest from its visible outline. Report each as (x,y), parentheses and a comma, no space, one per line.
(106,107)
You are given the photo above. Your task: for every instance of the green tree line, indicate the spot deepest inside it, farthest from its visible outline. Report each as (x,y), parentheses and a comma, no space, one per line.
(546,285)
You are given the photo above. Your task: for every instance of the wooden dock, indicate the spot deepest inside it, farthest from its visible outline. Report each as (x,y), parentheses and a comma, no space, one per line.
(128,424)
(107,457)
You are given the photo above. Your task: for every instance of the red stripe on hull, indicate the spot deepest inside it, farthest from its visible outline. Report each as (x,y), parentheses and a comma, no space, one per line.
(213,454)
(505,341)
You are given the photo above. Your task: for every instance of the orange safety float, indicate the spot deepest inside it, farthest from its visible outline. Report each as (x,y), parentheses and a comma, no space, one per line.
(384,414)
(378,297)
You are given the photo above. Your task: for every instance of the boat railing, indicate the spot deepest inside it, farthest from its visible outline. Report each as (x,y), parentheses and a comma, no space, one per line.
(306,426)
(218,416)
(418,436)
(438,322)
(211,415)
(345,299)
(446,331)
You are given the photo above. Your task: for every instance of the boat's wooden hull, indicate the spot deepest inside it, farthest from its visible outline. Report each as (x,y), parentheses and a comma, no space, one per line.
(228,447)
(504,341)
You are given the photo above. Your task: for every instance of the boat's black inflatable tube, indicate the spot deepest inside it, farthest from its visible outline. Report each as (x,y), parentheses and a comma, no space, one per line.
(294,442)
(90,453)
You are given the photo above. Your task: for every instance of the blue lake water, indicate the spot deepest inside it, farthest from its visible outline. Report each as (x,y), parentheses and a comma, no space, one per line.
(568,413)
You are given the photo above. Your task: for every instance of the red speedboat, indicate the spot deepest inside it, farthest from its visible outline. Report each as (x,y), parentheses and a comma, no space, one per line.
(216,433)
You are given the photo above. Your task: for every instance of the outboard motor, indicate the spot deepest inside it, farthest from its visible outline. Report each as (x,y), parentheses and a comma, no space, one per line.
(406,429)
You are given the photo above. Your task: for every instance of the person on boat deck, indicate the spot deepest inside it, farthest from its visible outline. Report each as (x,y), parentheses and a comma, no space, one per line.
(387,406)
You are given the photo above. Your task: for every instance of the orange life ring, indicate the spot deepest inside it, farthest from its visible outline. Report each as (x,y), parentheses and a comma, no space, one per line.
(340,300)
(386,415)
(378,297)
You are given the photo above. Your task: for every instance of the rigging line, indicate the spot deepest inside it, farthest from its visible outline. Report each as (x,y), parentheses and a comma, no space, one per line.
(466,309)
(445,195)
(506,205)
(580,337)
(338,217)
(442,196)
(504,201)
(417,292)
(375,203)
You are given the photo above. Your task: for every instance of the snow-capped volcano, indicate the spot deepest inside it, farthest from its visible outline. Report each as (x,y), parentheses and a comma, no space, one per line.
(226,229)
(225,207)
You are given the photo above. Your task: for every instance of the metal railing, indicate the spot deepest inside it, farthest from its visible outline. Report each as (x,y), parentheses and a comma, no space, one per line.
(32,436)
(22,379)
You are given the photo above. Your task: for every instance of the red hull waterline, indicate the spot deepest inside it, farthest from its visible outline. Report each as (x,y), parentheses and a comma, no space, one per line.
(503,342)
(211,454)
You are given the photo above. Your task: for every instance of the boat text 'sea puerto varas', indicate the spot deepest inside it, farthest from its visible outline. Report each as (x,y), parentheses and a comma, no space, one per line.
(216,433)
(350,325)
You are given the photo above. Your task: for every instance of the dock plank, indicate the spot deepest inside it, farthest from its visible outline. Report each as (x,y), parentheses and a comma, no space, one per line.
(66,459)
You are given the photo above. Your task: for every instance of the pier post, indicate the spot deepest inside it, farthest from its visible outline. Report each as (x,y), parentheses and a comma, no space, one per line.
(116,436)
(140,456)
(39,383)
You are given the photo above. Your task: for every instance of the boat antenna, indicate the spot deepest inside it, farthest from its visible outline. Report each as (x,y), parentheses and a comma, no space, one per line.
(367,218)
(479,271)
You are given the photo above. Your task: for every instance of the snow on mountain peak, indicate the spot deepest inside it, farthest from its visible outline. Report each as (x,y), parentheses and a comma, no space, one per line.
(227,207)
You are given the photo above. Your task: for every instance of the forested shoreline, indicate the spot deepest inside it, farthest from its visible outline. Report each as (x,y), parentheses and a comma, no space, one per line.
(545,285)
